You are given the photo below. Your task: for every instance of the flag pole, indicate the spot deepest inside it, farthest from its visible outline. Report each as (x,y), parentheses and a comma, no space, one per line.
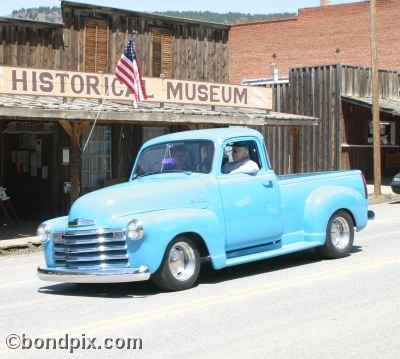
(95,120)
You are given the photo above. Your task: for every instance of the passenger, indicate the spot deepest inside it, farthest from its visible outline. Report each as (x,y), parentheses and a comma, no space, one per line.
(206,157)
(241,160)
(182,158)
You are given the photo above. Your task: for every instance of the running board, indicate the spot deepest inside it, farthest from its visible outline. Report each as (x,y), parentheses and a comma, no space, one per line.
(286,249)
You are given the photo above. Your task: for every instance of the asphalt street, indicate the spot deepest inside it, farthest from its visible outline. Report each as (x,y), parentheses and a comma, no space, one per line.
(296,306)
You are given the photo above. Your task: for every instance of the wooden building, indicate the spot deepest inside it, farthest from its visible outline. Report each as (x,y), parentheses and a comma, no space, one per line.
(44,130)
(340,96)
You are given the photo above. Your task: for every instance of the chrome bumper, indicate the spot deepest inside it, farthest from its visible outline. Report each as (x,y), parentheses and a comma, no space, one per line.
(94,276)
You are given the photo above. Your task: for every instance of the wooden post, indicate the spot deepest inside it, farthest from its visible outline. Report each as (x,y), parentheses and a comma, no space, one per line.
(294,134)
(74,161)
(2,176)
(375,103)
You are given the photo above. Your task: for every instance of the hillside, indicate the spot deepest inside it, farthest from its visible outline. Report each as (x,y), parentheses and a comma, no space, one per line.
(53,14)
(42,13)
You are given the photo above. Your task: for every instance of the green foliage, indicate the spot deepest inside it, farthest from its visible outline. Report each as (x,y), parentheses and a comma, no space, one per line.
(227,18)
(41,13)
(53,14)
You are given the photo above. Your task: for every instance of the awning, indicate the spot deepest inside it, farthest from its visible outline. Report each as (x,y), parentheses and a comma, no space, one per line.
(385,105)
(18,107)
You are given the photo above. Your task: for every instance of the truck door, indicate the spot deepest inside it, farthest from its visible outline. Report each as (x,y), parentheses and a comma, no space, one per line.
(251,203)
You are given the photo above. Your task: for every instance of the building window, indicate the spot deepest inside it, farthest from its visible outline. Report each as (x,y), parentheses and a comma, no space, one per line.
(387,132)
(162,43)
(96,160)
(96,46)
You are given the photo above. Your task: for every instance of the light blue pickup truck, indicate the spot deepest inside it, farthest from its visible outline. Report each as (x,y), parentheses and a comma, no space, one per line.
(184,204)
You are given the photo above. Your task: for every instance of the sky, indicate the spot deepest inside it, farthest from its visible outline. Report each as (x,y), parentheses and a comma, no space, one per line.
(221,6)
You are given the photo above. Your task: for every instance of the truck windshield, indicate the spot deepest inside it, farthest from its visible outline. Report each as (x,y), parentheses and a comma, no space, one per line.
(182,156)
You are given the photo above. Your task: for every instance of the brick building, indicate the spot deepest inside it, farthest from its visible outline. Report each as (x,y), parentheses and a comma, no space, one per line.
(316,36)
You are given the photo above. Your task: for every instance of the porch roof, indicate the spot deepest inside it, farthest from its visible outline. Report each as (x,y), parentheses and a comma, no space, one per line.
(385,105)
(18,107)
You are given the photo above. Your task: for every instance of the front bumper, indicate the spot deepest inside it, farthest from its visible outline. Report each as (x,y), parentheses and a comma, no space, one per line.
(94,276)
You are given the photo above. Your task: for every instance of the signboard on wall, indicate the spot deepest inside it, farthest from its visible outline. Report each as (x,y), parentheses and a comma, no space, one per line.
(29,128)
(36,82)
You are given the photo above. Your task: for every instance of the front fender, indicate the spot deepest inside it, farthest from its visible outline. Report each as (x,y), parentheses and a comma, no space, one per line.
(161,227)
(58,224)
(326,200)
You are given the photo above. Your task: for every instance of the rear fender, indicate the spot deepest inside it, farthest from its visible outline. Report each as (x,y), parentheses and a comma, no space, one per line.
(323,202)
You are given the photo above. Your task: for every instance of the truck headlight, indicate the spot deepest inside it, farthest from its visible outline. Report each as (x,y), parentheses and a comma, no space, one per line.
(134,230)
(43,233)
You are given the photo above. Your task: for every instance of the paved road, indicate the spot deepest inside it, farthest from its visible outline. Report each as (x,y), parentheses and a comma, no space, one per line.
(295,306)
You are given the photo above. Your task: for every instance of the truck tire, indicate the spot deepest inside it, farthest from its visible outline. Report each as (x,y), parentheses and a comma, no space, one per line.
(339,236)
(180,266)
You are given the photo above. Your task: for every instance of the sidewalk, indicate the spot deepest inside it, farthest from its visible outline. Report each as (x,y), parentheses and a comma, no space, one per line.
(18,236)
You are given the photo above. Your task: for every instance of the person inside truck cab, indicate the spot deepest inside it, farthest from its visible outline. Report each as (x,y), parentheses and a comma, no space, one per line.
(241,160)
(206,155)
(182,158)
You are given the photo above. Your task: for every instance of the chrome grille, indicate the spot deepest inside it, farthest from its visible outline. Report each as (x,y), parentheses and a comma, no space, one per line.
(91,249)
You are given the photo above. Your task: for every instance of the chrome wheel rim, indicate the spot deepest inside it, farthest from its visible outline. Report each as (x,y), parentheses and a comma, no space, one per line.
(340,233)
(181,261)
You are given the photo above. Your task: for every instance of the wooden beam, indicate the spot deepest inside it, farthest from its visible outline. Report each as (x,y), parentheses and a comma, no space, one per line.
(66,126)
(294,134)
(2,159)
(375,103)
(74,162)
(83,126)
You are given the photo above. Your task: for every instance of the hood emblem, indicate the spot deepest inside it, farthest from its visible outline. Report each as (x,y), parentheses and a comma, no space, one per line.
(77,222)
(198,200)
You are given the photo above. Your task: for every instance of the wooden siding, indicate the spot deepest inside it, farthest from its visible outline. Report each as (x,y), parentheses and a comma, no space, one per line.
(31,45)
(357,81)
(317,91)
(312,91)
(193,51)
(198,51)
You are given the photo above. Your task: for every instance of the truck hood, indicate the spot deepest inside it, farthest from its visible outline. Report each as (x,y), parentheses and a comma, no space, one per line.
(101,207)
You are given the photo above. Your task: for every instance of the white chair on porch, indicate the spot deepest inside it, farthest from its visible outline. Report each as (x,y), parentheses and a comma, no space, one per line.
(7,208)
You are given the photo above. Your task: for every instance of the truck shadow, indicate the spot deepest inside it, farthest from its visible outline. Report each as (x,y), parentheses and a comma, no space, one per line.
(207,275)
(107,290)
(211,276)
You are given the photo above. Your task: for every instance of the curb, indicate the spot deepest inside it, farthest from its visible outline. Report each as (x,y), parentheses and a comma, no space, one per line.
(19,243)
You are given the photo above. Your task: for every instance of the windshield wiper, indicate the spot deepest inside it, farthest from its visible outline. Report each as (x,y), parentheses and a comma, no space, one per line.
(186,172)
(135,175)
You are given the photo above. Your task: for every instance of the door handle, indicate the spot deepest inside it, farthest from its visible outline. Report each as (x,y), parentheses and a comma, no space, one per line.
(267,183)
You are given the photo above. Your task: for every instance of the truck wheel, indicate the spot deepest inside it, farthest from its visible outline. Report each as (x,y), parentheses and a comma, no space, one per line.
(339,236)
(180,267)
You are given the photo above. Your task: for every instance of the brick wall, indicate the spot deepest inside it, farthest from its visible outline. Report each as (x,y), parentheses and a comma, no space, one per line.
(316,36)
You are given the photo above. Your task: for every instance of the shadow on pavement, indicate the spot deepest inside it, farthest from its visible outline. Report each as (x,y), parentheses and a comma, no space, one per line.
(207,276)
(108,290)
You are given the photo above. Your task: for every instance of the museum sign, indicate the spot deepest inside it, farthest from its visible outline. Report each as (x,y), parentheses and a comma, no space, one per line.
(35,82)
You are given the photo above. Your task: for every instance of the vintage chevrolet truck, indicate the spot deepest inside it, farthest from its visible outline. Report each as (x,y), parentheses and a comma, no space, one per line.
(179,208)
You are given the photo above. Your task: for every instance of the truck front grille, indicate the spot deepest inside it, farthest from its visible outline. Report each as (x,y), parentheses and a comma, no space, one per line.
(91,249)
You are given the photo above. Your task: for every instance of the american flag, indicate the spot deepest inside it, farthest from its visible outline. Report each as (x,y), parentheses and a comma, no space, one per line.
(127,71)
